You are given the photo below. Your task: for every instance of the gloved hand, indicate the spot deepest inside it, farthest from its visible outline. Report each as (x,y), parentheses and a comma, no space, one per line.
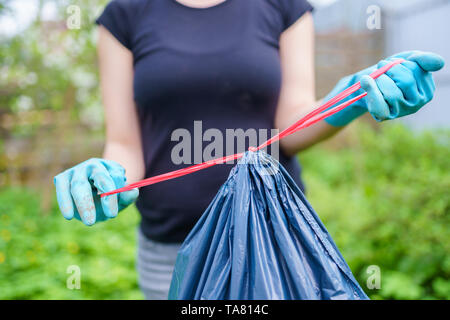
(402,90)
(77,191)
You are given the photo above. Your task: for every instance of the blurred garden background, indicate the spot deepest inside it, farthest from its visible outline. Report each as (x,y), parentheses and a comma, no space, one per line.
(382,190)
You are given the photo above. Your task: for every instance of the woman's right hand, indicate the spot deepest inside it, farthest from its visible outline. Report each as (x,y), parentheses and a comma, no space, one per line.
(78,191)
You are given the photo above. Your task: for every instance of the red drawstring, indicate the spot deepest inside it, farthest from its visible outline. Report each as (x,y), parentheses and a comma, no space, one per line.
(314,116)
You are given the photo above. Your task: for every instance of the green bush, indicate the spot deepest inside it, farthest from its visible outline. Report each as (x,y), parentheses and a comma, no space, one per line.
(36,249)
(384,199)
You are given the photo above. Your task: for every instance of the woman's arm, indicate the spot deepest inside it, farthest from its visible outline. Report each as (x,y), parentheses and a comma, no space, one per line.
(74,186)
(123,139)
(297,96)
(400,91)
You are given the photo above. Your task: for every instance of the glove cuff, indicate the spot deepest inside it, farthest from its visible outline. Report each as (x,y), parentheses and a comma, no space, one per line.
(345,116)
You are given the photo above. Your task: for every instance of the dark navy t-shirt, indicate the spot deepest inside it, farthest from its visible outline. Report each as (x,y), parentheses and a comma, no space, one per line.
(218,65)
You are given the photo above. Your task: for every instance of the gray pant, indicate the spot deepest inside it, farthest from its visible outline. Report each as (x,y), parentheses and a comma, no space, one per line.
(155,264)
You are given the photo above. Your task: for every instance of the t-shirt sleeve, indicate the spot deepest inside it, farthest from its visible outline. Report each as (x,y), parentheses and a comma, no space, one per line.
(116,18)
(292,10)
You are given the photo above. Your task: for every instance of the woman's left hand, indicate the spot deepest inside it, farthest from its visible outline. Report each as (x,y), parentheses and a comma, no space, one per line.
(403,89)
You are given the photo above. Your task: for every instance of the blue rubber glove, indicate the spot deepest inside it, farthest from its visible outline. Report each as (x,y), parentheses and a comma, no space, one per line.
(77,191)
(402,90)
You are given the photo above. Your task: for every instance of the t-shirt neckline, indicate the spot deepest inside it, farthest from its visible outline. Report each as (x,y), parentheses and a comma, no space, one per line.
(220,4)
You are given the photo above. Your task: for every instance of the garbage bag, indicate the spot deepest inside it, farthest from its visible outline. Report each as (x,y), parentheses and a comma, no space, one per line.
(260,239)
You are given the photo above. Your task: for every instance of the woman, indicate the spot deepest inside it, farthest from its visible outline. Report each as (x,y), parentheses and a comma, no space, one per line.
(165,64)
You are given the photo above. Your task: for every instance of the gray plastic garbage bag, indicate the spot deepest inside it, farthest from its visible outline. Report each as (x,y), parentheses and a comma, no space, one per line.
(260,239)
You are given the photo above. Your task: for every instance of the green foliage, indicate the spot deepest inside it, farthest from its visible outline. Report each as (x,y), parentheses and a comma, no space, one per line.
(49,67)
(36,248)
(386,202)
(50,106)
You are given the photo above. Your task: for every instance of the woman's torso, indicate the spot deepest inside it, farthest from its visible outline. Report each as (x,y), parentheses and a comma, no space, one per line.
(197,69)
